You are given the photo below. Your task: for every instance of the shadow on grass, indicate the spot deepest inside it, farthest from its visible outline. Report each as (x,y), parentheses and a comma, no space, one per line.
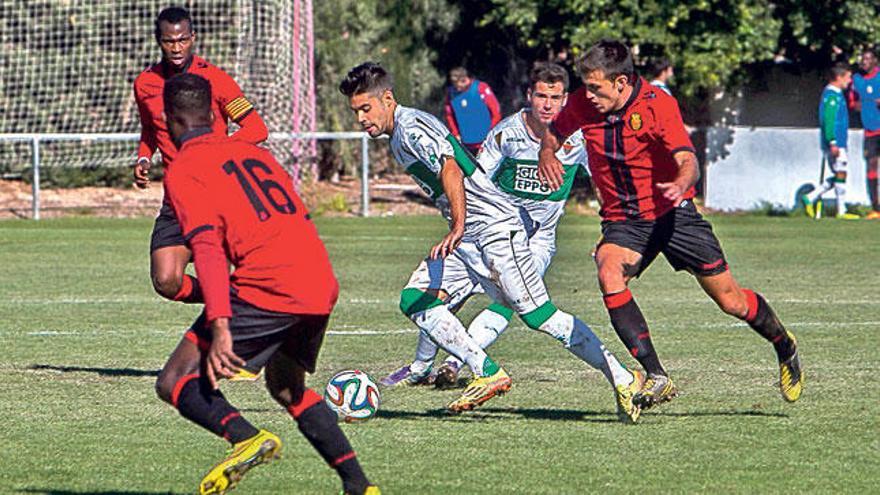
(697,414)
(52,491)
(497,413)
(100,371)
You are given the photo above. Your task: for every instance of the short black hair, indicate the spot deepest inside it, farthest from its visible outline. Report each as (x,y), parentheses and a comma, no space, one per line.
(550,73)
(837,70)
(172,15)
(369,77)
(870,49)
(657,65)
(187,94)
(458,73)
(611,57)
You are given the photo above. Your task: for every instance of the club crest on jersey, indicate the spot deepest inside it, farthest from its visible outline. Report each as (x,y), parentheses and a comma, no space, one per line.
(635,121)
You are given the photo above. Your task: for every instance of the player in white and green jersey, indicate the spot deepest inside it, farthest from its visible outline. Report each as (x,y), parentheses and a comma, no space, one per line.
(487,245)
(509,156)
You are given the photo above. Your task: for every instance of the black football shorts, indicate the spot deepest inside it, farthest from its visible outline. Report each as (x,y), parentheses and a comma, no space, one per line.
(872,146)
(683,236)
(166,231)
(257,334)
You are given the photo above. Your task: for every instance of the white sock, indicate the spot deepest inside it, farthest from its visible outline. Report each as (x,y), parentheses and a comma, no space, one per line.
(840,191)
(485,330)
(448,333)
(419,366)
(823,188)
(583,343)
(426,350)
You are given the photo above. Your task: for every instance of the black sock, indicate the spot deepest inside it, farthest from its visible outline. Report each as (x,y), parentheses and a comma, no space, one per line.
(871,181)
(320,426)
(763,320)
(210,410)
(631,327)
(190,291)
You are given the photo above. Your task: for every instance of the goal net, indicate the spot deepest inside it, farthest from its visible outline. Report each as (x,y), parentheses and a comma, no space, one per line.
(68,67)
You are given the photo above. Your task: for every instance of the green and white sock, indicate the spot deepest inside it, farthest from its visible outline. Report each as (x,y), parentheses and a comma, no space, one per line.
(580,340)
(448,333)
(486,327)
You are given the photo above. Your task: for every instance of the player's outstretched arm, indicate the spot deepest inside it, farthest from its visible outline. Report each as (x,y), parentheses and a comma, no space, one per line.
(688,175)
(452,179)
(550,169)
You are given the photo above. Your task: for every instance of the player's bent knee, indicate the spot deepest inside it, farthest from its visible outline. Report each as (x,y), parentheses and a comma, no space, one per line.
(734,306)
(167,284)
(611,273)
(414,301)
(165,386)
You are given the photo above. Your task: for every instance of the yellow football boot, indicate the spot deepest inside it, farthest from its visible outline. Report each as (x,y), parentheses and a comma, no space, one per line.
(480,390)
(243,375)
(657,389)
(371,490)
(791,377)
(247,454)
(628,412)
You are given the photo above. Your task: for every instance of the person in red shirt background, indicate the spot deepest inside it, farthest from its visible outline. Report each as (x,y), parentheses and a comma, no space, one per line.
(644,167)
(176,38)
(471,109)
(236,204)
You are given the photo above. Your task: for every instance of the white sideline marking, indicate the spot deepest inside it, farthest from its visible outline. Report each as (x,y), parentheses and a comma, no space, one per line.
(372,332)
(355,330)
(349,238)
(78,300)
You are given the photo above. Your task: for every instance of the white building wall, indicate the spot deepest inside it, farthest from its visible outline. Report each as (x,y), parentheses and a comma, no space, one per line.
(748,166)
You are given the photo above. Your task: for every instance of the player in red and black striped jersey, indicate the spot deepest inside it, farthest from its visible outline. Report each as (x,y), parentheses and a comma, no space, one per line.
(237,205)
(176,38)
(644,167)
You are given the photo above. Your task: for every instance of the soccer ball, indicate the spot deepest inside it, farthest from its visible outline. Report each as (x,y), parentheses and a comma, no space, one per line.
(353,395)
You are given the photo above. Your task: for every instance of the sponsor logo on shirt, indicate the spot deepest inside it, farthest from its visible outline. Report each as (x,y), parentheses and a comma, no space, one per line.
(526,180)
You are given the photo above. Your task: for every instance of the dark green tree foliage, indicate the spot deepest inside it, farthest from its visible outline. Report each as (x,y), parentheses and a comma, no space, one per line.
(710,41)
(348,32)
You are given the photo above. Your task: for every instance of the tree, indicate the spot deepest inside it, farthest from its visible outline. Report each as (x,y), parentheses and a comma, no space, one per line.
(708,40)
(348,32)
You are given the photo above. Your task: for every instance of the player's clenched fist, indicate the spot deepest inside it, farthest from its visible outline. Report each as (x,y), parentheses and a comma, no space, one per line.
(142,173)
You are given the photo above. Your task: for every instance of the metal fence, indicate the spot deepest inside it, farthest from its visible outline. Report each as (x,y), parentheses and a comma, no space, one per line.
(35,140)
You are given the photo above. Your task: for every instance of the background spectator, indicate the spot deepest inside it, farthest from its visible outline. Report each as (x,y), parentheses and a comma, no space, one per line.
(865,97)
(471,108)
(660,71)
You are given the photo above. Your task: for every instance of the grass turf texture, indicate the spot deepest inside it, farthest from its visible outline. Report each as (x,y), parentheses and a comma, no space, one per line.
(83,336)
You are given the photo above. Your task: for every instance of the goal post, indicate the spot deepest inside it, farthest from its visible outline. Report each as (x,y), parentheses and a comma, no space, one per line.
(69,66)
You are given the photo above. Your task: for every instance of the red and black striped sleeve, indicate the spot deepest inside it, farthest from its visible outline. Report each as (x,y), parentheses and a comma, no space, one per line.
(669,126)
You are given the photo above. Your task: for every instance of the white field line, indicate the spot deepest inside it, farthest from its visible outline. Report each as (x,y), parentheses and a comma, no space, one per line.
(353,330)
(360,300)
(350,238)
(83,300)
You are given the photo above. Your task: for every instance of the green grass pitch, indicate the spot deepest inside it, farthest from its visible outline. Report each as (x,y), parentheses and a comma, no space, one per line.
(82,336)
